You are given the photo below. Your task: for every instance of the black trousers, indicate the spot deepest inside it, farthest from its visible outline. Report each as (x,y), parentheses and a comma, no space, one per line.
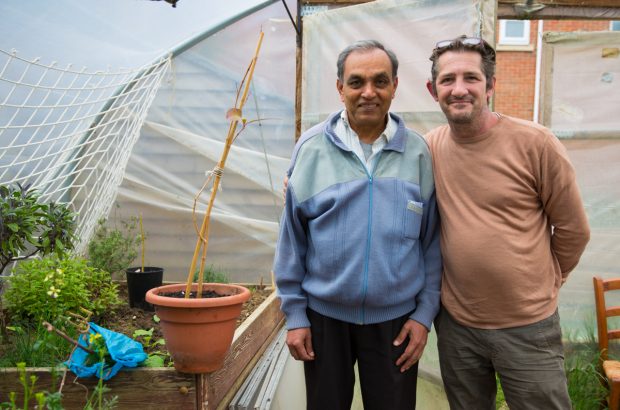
(337,345)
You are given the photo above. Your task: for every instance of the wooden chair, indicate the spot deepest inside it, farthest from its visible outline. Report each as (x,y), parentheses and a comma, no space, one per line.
(611,368)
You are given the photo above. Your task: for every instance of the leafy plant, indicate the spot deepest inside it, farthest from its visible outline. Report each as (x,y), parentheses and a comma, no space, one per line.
(156,356)
(53,400)
(100,352)
(112,249)
(44,289)
(28,227)
(28,384)
(97,400)
(43,399)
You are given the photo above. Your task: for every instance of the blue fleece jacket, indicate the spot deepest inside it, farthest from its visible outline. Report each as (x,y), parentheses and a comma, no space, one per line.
(358,247)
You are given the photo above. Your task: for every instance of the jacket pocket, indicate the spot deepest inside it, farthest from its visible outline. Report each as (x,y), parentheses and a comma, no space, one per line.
(413,219)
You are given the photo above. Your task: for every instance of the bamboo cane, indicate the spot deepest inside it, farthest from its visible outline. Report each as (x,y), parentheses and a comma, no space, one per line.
(203,237)
(142,244)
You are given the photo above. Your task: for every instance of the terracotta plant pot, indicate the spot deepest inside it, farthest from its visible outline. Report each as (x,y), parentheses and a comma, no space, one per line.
(198,332)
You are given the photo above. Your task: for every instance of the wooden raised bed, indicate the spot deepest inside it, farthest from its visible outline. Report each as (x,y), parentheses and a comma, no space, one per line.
(164,387)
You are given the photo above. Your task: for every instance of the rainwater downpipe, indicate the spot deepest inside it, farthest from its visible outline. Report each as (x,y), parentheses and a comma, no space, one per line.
(539,35)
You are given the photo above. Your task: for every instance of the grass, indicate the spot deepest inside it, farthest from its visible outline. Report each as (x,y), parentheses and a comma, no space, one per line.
(582,364)
(34,346)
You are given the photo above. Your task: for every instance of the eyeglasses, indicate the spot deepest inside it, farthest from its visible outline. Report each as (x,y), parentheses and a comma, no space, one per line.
(467,41)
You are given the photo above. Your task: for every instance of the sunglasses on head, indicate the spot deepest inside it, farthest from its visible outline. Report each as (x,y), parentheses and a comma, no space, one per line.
(468,41)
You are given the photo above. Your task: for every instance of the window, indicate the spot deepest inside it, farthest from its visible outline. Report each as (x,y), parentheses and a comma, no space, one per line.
(615,26)
(514,32)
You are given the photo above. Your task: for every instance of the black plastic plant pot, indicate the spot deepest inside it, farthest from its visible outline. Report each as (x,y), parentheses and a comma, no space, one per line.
(138,283)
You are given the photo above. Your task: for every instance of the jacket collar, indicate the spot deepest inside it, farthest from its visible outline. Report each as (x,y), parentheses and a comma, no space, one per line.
(396,143)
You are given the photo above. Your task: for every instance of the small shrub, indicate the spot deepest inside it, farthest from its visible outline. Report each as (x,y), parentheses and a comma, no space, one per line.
(28,227)
(112,249)
(45,289)
(212,275)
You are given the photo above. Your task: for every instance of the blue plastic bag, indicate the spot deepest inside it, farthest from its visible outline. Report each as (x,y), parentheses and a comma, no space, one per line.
(124,351)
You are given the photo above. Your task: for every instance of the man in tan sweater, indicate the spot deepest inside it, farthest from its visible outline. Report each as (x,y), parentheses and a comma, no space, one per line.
(512,228)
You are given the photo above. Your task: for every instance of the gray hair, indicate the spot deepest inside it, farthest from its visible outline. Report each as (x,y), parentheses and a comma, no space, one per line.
(365,45)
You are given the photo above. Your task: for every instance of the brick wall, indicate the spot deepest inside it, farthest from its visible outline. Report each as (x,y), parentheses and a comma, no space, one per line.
(516,70)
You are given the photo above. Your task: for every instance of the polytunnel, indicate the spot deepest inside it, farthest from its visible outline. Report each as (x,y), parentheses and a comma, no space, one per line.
(123,142)
(156,128)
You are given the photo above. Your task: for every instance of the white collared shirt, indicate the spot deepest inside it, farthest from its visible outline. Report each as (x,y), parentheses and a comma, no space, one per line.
(350,138)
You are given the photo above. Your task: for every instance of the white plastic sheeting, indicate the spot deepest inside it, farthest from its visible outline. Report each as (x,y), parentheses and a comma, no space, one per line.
(108,34)
(581,96)
(596,163)
(581,104)
(183,139)
(409,28)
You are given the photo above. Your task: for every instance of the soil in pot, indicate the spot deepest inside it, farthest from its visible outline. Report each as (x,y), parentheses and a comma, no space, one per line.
(192,294)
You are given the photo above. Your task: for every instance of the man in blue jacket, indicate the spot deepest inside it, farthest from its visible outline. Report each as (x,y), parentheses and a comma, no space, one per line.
(358,266)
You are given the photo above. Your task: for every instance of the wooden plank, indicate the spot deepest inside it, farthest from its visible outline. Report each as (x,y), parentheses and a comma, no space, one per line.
(251,338)
(134,388)
(572,3)
(546,91)
(507,11)
(334,2)
(245,395)
(224,403)
(553,10)
(298,91)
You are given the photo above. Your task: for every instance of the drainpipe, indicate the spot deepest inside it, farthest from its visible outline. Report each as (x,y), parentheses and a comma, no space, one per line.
(539,35)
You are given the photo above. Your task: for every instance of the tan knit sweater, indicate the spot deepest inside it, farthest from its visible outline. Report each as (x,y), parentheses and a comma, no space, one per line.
(499,195)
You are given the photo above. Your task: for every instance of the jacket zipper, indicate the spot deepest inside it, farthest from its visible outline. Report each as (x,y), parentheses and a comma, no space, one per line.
(369,235)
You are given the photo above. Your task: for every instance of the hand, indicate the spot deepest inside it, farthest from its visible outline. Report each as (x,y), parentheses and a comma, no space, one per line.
(417,334)
(299,342)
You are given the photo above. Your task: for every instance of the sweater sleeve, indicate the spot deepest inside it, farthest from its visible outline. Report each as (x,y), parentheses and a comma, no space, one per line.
(289,264)
(427,301)
(562,203)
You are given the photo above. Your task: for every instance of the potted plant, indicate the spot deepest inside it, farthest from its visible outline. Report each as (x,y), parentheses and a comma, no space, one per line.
(142,278)
(113,249)
(198,319)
